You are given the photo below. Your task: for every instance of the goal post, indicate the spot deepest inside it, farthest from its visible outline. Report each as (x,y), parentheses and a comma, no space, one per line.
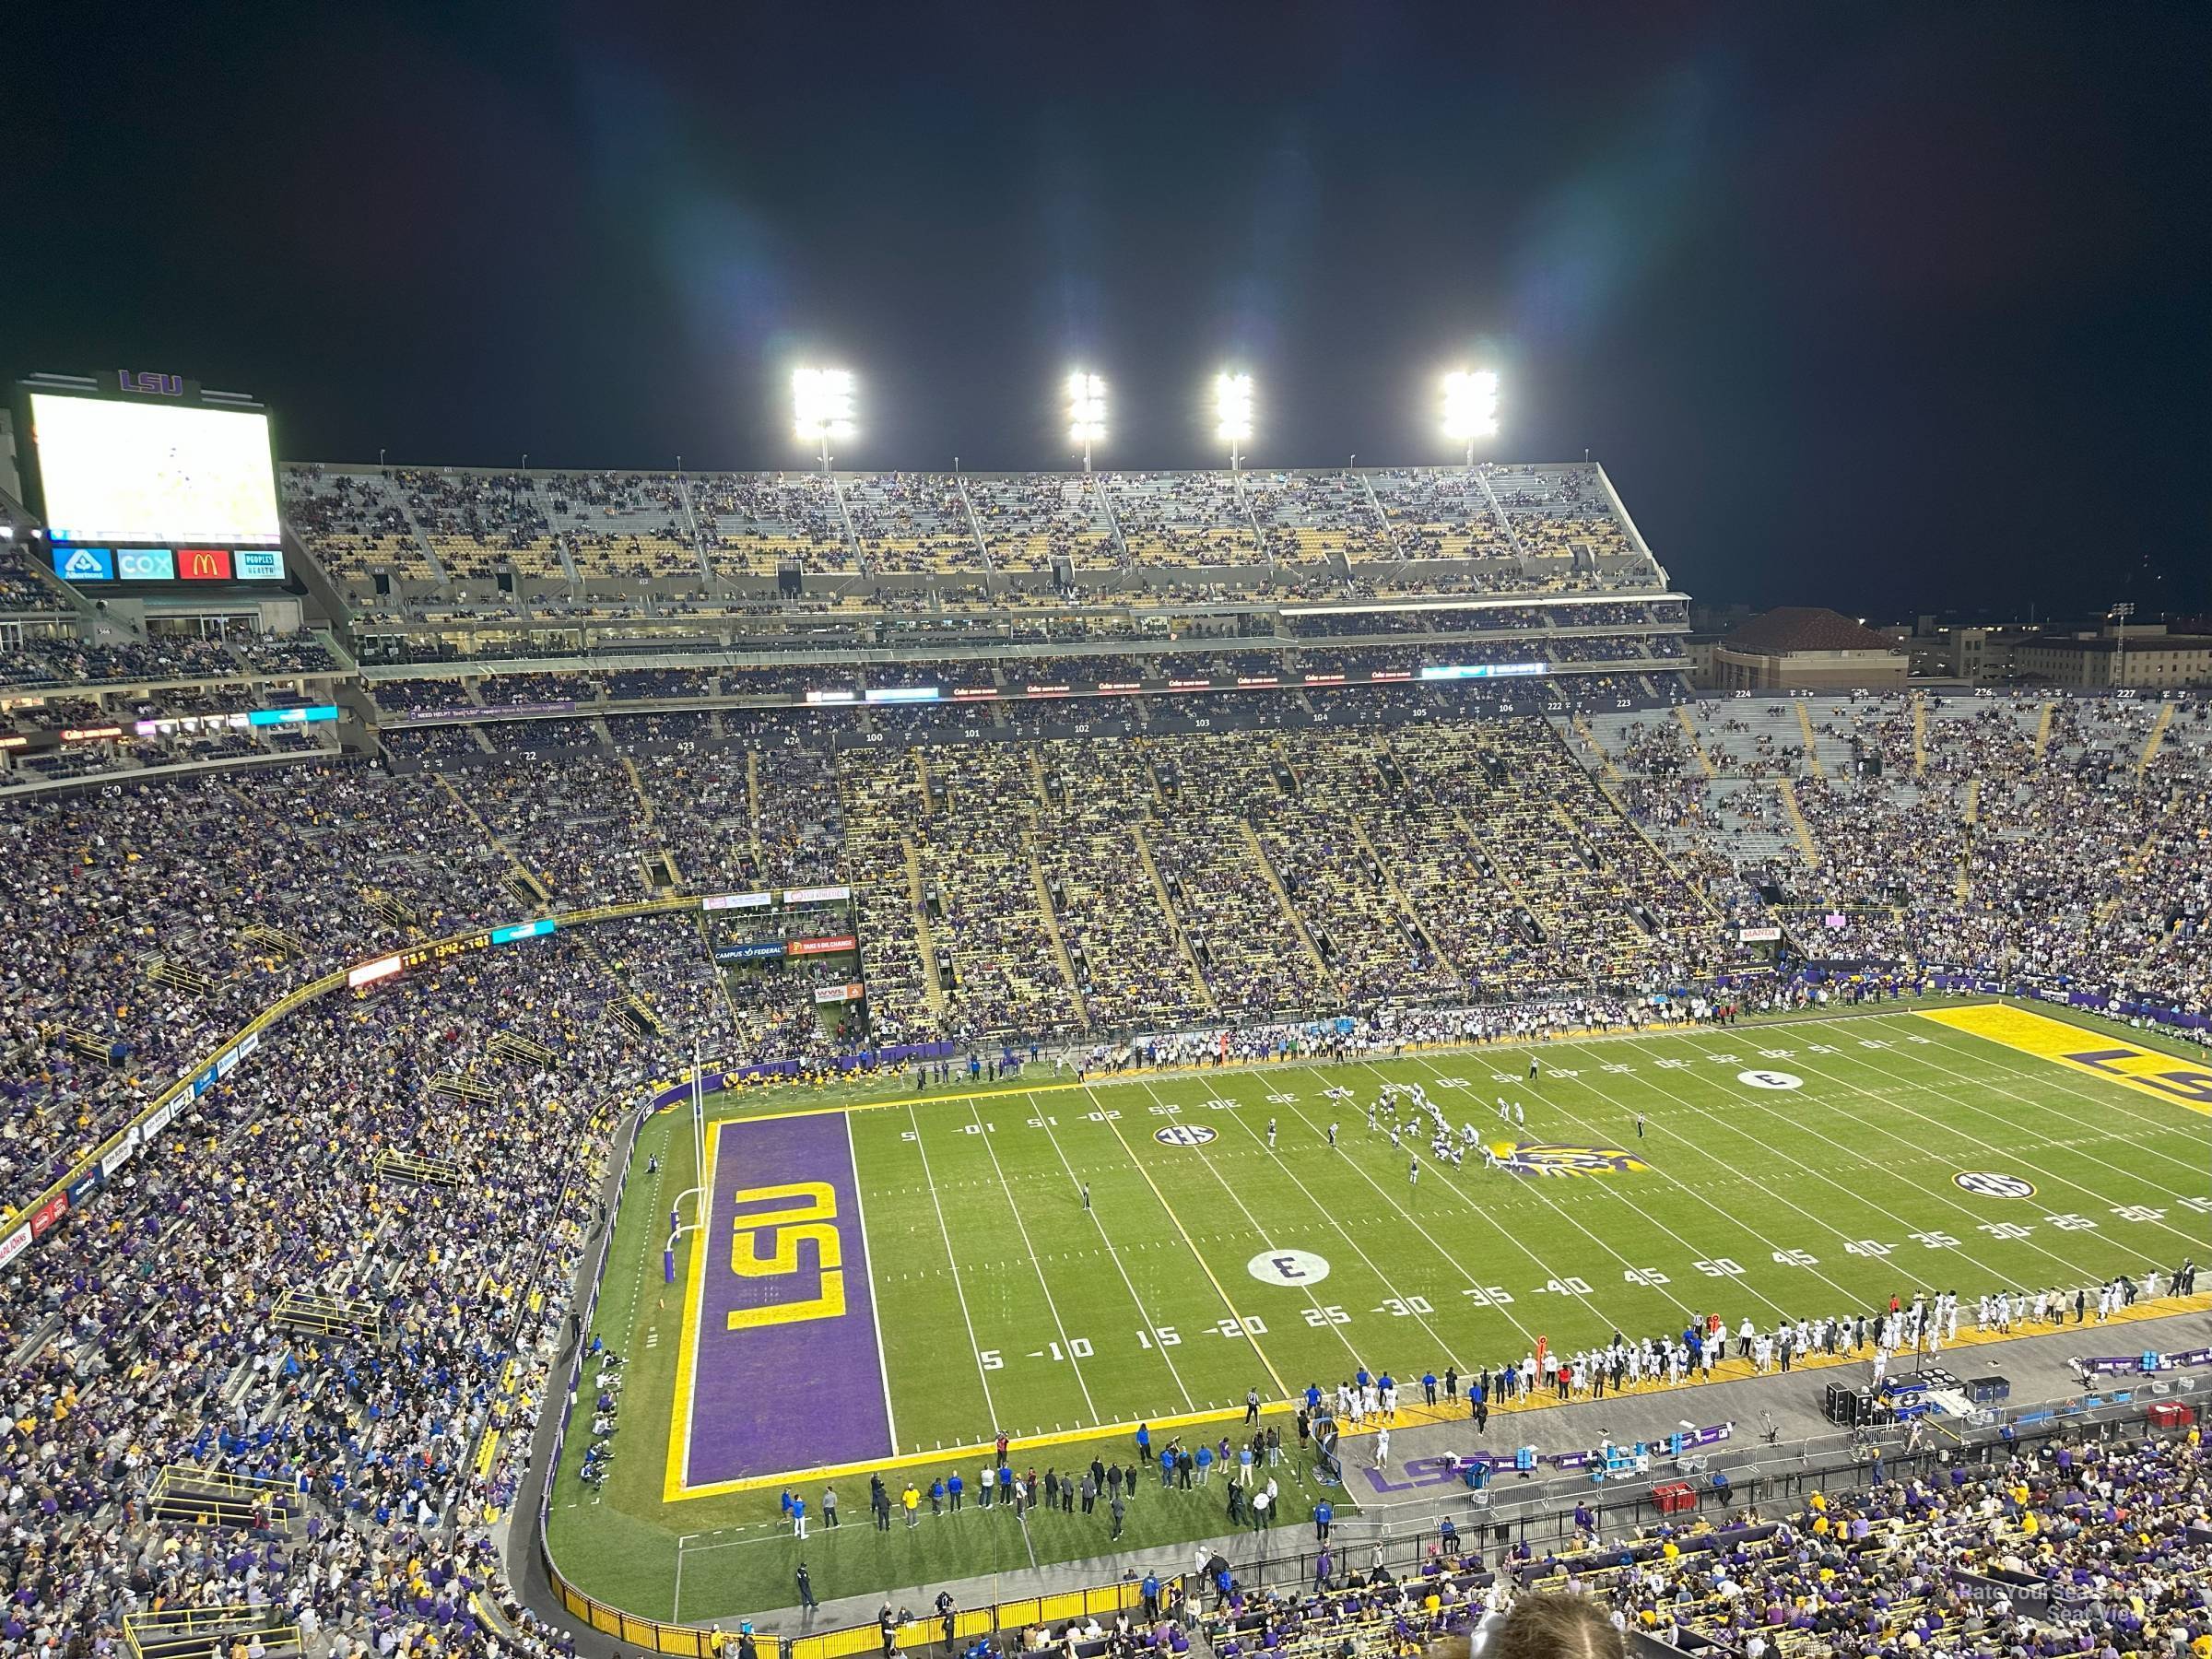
(697,1192)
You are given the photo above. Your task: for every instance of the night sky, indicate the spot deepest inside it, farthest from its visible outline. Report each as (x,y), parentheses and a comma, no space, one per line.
(1888,307)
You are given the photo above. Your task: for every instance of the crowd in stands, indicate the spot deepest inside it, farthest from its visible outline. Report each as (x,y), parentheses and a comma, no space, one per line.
(61,659)
(349,1263)
(2050,840)
(2073,1546)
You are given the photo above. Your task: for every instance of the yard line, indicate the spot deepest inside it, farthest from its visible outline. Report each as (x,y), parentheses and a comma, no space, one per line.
(883,1355)
(1441,1248)
(1995,1151)
(1697,1252)
(1739,1098)
(1258,1353)
(2007,1062)
(1264,1238)
(1115,1255)
(1019,1226)
(1420,1319)
(974,1347)
(1555,1207)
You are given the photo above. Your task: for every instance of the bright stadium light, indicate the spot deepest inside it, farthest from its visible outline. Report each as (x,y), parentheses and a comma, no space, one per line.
(1470,407)
(1086,412)
(1232,411)
(821,403)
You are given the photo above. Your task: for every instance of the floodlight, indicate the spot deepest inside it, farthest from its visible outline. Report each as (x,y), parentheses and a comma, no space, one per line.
(1232,410)
(1086,412)
(1470,407)
(821,403)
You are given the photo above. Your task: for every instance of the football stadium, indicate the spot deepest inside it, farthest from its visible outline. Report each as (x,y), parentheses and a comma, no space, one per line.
(819,1054)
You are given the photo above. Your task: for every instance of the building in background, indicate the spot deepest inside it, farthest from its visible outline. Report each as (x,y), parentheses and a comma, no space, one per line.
(1980,653)
(1807,648)
(2144,655)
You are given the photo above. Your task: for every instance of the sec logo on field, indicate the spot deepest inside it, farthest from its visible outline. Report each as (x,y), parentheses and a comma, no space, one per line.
(1987,1183)
(1288,1267)
(1770,1079)
(1183,1134)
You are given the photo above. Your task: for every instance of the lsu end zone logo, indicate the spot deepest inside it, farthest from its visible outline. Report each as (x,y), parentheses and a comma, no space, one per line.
(806,1213)
(1988,1184)
(1524,1158)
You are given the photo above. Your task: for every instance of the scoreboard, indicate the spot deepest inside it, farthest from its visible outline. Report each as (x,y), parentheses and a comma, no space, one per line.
(146,479)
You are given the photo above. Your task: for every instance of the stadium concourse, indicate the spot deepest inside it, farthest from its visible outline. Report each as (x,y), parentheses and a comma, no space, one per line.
(307,1119)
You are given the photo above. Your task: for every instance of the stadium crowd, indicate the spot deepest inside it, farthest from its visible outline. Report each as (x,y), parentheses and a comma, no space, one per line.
(346,1264)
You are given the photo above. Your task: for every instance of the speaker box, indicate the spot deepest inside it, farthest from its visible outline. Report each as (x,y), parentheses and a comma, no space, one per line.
(505,580)
(1502,1533)
(788,581)
(382,579)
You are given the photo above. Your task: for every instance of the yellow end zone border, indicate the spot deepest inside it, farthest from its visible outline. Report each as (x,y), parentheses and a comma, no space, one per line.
(2090,1053)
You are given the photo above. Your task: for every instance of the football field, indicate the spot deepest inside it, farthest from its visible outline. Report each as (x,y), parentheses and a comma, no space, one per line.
(883,1285)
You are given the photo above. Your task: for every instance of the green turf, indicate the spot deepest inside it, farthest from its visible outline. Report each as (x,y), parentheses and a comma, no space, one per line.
(1003,1305)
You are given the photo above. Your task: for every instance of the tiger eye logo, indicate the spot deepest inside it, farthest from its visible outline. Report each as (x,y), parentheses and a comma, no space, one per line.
(1523,1158)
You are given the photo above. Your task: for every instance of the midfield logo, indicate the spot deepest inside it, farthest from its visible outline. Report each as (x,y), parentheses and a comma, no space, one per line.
(1988,1184)
(1524,1158)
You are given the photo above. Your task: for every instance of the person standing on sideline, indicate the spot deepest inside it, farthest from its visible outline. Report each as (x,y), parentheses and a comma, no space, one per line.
(1270,1135)
(1149,1589)
(1383,1448)
(1252,1405)
(1143,1443)
(806,1602)
(1324,1513)
(1428,1385)
(830,1506)
(1532,1069)
(798,1518)
(1332,1135)
(1120,1509)
(1640,1122)
(954,1487)
(1413,1172)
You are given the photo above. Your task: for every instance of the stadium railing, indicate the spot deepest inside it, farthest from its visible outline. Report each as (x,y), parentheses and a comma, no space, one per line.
(698,1641)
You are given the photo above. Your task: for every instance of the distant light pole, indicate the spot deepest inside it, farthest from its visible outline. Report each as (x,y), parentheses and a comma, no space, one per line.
(1086,412)
(2119,613)
(821,402)
(1232,410)
(1470,407)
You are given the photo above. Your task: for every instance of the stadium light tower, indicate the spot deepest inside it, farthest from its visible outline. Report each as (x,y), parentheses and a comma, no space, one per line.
(1470,407)
(1232,412)
(821,403)
(1086,412)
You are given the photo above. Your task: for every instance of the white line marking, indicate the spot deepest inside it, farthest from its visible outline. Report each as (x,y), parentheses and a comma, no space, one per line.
(944,1232)
(1014,1207)
(883,1359)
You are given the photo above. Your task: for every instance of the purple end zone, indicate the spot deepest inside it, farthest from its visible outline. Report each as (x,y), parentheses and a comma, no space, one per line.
(797,1381)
